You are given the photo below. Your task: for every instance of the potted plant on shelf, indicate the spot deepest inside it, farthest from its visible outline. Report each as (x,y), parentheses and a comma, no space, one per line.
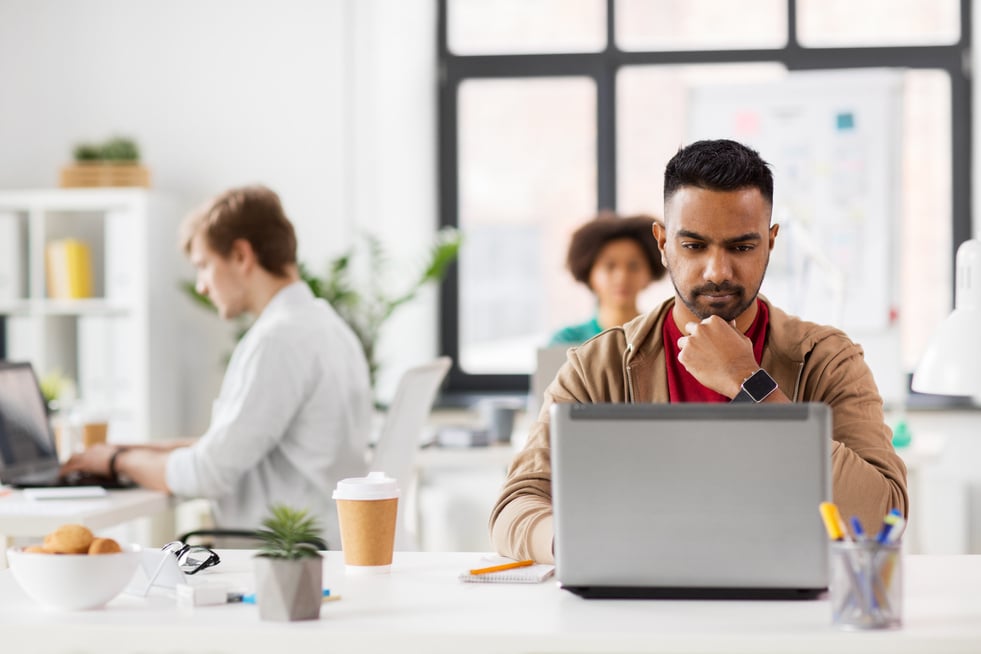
(115,162)
(288,567)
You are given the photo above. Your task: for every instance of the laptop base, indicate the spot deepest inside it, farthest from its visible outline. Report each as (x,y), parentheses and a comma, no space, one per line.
(73,480)
(678,593)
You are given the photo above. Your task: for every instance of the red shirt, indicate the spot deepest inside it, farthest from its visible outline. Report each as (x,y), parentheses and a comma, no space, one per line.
(682,386)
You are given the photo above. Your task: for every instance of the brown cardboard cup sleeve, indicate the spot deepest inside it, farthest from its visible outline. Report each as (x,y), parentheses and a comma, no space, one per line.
(367,509)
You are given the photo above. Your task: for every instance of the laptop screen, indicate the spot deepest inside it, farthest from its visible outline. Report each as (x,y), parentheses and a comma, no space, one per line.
(26,442)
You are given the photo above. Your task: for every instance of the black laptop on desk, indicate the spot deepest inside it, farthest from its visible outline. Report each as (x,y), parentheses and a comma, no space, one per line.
(28,456)
(691,500)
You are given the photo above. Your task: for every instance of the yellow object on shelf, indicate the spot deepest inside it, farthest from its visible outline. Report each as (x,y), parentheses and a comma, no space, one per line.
(69,269)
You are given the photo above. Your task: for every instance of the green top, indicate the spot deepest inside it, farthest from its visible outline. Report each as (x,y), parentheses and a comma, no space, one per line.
(576,334)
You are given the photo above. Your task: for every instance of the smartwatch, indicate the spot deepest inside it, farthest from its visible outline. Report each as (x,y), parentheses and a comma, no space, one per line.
(756,387)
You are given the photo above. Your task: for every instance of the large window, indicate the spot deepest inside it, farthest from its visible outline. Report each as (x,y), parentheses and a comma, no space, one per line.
(553,109)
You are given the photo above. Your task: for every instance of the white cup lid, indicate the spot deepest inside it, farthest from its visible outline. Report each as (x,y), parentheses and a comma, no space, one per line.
(376,486)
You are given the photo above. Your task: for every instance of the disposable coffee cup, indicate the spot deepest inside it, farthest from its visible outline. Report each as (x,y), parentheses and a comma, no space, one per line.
(94,433)
(367,508)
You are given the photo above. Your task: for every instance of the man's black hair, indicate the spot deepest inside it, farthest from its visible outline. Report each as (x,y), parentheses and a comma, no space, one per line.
(720,165)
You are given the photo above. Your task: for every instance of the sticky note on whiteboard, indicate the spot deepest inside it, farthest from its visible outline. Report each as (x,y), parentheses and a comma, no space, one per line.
(845,120)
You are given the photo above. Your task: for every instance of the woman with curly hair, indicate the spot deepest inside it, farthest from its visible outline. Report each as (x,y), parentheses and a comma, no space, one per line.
(616,258)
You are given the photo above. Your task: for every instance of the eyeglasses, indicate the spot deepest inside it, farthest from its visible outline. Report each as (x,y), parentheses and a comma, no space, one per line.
(192,558)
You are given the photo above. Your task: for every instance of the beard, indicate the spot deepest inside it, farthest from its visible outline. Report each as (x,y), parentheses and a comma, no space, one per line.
(702,306)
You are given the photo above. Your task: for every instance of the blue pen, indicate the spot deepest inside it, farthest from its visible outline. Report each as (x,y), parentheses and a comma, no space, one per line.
(857,528)
(888,524)
(249,598)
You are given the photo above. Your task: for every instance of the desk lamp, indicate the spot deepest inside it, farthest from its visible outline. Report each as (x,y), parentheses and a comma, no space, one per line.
(952,362)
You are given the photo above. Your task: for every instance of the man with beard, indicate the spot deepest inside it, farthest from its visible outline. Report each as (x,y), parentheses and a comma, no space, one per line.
(717,340)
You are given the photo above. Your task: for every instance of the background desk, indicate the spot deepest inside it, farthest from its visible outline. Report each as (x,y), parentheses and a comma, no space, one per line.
(35,518)
(421,607)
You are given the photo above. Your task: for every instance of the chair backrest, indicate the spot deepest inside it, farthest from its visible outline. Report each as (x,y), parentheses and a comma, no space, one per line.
(398,443)
(397,446)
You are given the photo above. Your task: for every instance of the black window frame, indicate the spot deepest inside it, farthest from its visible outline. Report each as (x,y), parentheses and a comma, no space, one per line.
(602,66)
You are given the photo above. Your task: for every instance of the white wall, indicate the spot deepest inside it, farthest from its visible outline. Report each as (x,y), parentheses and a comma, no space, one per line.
(329,102)
(394,157)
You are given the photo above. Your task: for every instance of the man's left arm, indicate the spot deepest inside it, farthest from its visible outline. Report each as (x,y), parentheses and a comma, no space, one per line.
(869,476)
(251,422)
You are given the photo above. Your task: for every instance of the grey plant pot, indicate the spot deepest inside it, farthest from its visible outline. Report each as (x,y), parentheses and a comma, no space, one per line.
(289,590)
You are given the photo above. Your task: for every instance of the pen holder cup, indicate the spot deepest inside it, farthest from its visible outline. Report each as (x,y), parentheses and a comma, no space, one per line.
(866,585)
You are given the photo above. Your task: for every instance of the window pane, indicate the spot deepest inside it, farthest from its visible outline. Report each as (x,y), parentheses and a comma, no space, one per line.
(525,26)
(827,23)
(527,179)
(926,259)
(700,24)
(652,121)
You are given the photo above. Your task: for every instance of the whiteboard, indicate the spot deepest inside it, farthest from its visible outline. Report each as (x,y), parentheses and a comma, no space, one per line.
(833,139)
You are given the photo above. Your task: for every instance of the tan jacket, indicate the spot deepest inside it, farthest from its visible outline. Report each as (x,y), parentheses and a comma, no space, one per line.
(811,363)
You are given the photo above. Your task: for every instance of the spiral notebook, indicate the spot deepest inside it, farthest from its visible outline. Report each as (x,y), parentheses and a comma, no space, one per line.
(531,574)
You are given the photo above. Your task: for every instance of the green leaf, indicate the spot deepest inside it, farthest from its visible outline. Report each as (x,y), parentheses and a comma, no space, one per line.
(287,534)
(201,300)
(120,149)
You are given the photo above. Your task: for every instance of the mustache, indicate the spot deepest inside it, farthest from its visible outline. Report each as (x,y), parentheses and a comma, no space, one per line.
(724,287)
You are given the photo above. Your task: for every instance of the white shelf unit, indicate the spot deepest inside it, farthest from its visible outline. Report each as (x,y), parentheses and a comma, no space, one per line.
(120,345)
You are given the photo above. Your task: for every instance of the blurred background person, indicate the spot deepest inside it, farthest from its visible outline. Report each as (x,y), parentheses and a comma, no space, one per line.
(616,258)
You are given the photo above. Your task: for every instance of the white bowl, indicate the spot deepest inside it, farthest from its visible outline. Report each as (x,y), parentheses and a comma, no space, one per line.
(73,582)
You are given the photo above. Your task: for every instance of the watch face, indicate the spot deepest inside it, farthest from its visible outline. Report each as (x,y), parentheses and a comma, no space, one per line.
(759,385)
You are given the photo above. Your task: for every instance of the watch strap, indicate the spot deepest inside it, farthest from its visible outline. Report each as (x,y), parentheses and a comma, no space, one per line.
(743,396)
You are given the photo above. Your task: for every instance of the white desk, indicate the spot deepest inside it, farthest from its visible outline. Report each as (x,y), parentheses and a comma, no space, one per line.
(421,607)
(22,517)
(433,458)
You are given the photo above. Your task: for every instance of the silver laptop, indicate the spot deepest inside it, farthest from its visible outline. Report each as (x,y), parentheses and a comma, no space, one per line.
(28,456)
(548,360)
(691,500)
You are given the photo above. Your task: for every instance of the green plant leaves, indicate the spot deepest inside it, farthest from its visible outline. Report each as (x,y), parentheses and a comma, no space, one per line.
(115,149)
(366,304)
(287,534)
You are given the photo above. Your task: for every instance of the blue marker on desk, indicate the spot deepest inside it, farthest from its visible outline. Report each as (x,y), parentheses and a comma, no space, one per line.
(249,598)
(896,530)
(889,523)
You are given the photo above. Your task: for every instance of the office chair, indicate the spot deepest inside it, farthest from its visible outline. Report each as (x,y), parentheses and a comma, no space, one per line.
(398,443)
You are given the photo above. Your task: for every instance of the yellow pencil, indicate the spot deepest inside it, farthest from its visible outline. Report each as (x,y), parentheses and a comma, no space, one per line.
(503,566)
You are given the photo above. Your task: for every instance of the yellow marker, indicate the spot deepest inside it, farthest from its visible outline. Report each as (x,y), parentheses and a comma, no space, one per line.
(832,521)
(503,566)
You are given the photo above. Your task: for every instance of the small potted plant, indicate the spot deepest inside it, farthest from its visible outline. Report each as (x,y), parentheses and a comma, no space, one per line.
(288,567)
(115,162)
